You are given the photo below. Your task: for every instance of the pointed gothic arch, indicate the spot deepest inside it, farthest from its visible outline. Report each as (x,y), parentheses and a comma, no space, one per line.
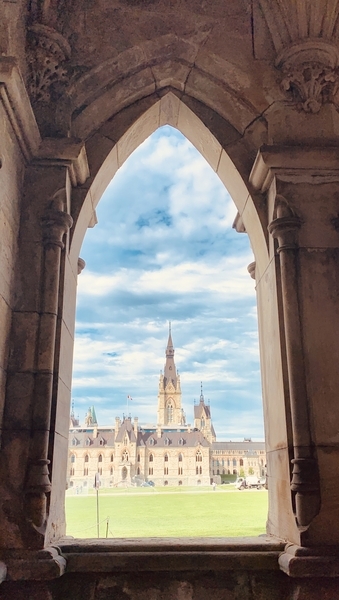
(172,111)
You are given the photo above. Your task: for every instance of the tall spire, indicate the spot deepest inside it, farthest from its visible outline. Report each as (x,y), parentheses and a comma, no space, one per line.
(170,373)
(169,395)
(170,347)
(201,393)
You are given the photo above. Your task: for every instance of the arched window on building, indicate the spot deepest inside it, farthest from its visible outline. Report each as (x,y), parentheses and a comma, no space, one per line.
(112,457)
(125,456)
(180,471)
(200,470)
(197,470)
(138,471)
(234,462)
(86,458)
(111,471)
(138,459)
(180,457)
(100,458)
(150,458)
(241,462)
(170,412)
(166,471)
(72,458)
(166,458)
(198,456)
(150,471)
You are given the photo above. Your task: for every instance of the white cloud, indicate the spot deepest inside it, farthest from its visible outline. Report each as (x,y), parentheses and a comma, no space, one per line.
(164,250)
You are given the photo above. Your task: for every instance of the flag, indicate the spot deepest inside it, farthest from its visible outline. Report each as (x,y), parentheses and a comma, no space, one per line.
(129,398)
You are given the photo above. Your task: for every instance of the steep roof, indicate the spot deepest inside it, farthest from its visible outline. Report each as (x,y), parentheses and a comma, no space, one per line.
(249,446)
(82,436)
(175,439)
(126,427)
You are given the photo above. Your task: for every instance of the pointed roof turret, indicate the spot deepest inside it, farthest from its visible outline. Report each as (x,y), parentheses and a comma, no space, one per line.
(94,417)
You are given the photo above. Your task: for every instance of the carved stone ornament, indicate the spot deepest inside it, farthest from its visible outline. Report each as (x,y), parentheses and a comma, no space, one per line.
(55,224)
(48,53)
(311,73)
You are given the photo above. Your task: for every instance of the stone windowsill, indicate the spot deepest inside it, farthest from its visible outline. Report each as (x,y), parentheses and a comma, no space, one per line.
(171,554)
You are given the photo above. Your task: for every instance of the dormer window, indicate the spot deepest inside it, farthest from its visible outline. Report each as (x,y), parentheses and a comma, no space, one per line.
(88,442)
(74,442)
(101,441)
(151,441)
(167,441)
(181,441)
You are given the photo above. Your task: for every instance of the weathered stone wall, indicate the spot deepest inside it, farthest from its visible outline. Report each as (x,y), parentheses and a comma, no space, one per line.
(12,168)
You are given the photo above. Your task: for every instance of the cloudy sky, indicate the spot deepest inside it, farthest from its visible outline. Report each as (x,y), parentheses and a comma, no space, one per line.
(164,250)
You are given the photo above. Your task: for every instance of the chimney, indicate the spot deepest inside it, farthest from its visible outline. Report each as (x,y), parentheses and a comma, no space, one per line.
(159,431)
(136,425)
(117,425)
(95,432)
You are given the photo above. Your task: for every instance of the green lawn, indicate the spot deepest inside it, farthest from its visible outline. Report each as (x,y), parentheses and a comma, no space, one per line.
(183,512)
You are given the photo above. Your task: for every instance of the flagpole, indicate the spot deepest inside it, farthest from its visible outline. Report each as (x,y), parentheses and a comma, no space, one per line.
(98,512)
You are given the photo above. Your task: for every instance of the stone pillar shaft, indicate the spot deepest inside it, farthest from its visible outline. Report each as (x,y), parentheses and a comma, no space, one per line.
(305,477)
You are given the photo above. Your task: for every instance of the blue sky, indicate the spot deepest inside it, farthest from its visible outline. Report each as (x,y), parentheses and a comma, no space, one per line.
(164,250)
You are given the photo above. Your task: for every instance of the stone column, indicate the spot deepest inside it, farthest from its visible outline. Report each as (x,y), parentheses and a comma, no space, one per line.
(301,187)
(40,355)
(55,224)
(305,480)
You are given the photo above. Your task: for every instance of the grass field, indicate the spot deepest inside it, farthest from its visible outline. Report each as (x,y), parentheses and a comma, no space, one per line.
(183,512)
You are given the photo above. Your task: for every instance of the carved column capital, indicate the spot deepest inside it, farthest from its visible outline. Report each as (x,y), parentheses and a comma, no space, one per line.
(251,269)
(310,73)
(81,265)
(285,230)
(38,477)
(48,53)
(55,224)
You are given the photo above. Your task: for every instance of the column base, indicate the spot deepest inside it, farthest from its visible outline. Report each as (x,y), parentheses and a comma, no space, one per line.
(297,561)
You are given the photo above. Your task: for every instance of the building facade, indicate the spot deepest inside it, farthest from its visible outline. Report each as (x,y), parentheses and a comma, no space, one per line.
(170,452)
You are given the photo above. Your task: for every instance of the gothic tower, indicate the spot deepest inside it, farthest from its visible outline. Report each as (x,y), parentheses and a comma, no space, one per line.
(203,420)
(169,396)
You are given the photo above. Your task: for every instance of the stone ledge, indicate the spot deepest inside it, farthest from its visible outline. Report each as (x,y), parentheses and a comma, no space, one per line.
(25,565)
(171,554)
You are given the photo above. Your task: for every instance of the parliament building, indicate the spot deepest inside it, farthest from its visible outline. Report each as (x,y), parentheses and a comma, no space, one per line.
(170,452)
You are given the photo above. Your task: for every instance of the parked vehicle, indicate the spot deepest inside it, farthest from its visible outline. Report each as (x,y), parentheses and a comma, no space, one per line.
(251,481)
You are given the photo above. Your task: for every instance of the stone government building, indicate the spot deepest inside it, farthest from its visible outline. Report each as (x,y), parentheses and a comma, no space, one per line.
(168,453)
